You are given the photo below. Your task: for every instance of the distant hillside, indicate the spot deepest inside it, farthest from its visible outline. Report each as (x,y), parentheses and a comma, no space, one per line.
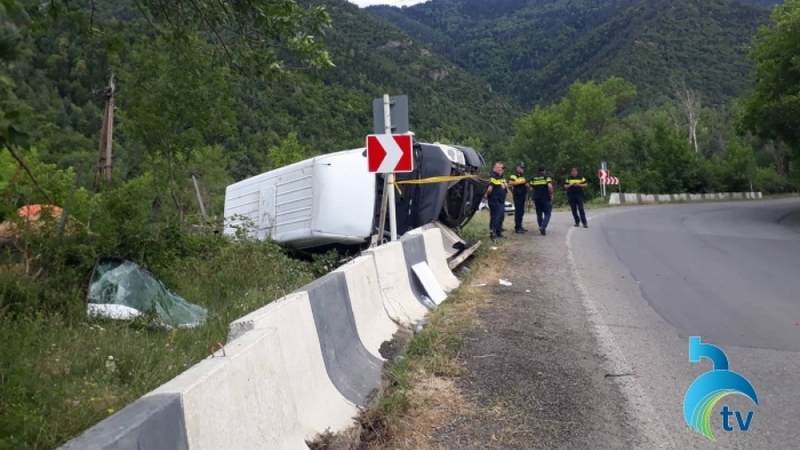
(329,112)
(533,49)
(445,101)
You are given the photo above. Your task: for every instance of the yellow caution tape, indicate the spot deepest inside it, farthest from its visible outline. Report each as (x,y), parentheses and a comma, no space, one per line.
(439,179)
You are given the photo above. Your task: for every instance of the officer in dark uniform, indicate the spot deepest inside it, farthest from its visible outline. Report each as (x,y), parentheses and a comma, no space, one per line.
(520,185)
(542,198)
(575,185)
(496,196)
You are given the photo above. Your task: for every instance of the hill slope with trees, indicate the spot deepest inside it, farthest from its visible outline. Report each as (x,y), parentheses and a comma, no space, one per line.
(328,111)
(534,49)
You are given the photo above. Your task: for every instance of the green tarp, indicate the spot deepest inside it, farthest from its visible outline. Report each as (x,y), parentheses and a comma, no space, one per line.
(119,282)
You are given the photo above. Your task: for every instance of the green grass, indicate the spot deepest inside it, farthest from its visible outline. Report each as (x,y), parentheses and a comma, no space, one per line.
(61,374)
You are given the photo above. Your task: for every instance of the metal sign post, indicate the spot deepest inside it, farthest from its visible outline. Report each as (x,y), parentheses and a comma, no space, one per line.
(603,167)
(390,116)
(387,121)
(396,122)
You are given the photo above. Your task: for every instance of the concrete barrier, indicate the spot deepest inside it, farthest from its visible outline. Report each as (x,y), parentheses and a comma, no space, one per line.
(402,305)
(451,242)
(437,258)
(414,253)
(353,369)
(456,250)
(366,299)
(153,421)
(616,198)
(319,403)
(234,400)
(240,399)
(292,369)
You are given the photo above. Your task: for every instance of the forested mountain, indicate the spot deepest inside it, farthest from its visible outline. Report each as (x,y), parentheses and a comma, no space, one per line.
(328,112)
(534,49)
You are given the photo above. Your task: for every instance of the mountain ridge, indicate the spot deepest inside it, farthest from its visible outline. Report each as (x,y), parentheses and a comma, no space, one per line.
(533,49)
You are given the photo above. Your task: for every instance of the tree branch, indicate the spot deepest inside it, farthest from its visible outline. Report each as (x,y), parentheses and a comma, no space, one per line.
(24,166)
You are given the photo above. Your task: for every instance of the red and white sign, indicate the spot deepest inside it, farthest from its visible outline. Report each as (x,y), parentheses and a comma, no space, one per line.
(389,153)
(602,174)
(609,180)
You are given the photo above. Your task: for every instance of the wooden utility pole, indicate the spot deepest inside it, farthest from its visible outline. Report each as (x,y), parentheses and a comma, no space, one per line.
(104,153)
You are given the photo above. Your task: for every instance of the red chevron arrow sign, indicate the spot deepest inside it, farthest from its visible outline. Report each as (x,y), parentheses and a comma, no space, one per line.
(390,153)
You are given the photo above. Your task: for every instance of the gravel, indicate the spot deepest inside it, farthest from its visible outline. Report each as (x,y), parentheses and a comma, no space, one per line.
(533,370)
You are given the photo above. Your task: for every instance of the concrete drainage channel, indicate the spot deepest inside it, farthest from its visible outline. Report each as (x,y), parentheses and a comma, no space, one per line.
(298,367)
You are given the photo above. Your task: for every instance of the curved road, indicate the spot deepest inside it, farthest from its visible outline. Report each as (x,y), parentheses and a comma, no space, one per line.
(728,272)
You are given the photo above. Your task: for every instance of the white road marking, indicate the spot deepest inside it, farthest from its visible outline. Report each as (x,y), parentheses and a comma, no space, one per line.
(647,421)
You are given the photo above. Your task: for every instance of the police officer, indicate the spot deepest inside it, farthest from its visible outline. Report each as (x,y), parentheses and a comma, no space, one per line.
(520,185)
(575,185)
(542,198)
(496,196)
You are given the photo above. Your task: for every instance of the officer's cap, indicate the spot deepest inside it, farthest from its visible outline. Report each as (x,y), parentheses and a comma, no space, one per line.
(522,164)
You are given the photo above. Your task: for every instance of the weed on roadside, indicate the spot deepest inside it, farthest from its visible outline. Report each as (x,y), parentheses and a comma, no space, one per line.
(61,373)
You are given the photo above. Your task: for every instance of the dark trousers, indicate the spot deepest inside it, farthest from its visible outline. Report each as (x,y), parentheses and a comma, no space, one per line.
(519,210)
(496,214)
(543,209)
(576,204)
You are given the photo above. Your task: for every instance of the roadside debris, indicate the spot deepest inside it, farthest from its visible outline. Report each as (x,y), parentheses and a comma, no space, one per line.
(420,325)
(122,290)
(428,302)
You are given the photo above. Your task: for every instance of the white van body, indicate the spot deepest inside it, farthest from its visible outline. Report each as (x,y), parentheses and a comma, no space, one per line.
(328,199)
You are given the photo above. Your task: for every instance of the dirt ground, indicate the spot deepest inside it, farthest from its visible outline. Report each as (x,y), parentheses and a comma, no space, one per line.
(533,377)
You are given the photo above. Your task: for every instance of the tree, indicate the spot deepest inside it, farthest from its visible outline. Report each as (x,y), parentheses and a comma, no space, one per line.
(261,38)
(689,101)
(175,101)
(288,152)
(772,111)
(573,131)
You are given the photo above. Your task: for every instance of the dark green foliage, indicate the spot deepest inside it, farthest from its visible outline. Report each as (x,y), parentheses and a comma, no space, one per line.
(330,110)
(534,49)
(773,108)
(650,152)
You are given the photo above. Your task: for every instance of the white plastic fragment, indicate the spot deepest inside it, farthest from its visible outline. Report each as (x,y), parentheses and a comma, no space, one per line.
(112,311)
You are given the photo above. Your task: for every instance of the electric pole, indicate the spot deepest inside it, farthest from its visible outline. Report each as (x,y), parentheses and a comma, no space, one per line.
(104,152)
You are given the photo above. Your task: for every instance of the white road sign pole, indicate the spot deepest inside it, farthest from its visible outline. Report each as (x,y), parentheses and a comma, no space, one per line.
(387,121)
(602,184)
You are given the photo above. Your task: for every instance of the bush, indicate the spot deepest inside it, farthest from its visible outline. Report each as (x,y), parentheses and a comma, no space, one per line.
(60,371)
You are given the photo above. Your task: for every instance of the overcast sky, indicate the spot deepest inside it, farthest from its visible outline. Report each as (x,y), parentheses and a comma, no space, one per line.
(387,2)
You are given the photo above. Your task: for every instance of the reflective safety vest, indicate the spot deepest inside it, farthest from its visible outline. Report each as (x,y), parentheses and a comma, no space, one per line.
(522,188)
(539,183)
(498,192)
(573,190)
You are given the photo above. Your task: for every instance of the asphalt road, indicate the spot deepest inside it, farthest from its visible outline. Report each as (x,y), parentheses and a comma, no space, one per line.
(728,272)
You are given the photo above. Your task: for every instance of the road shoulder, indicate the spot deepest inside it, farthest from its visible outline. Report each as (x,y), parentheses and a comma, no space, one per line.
(532,368)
